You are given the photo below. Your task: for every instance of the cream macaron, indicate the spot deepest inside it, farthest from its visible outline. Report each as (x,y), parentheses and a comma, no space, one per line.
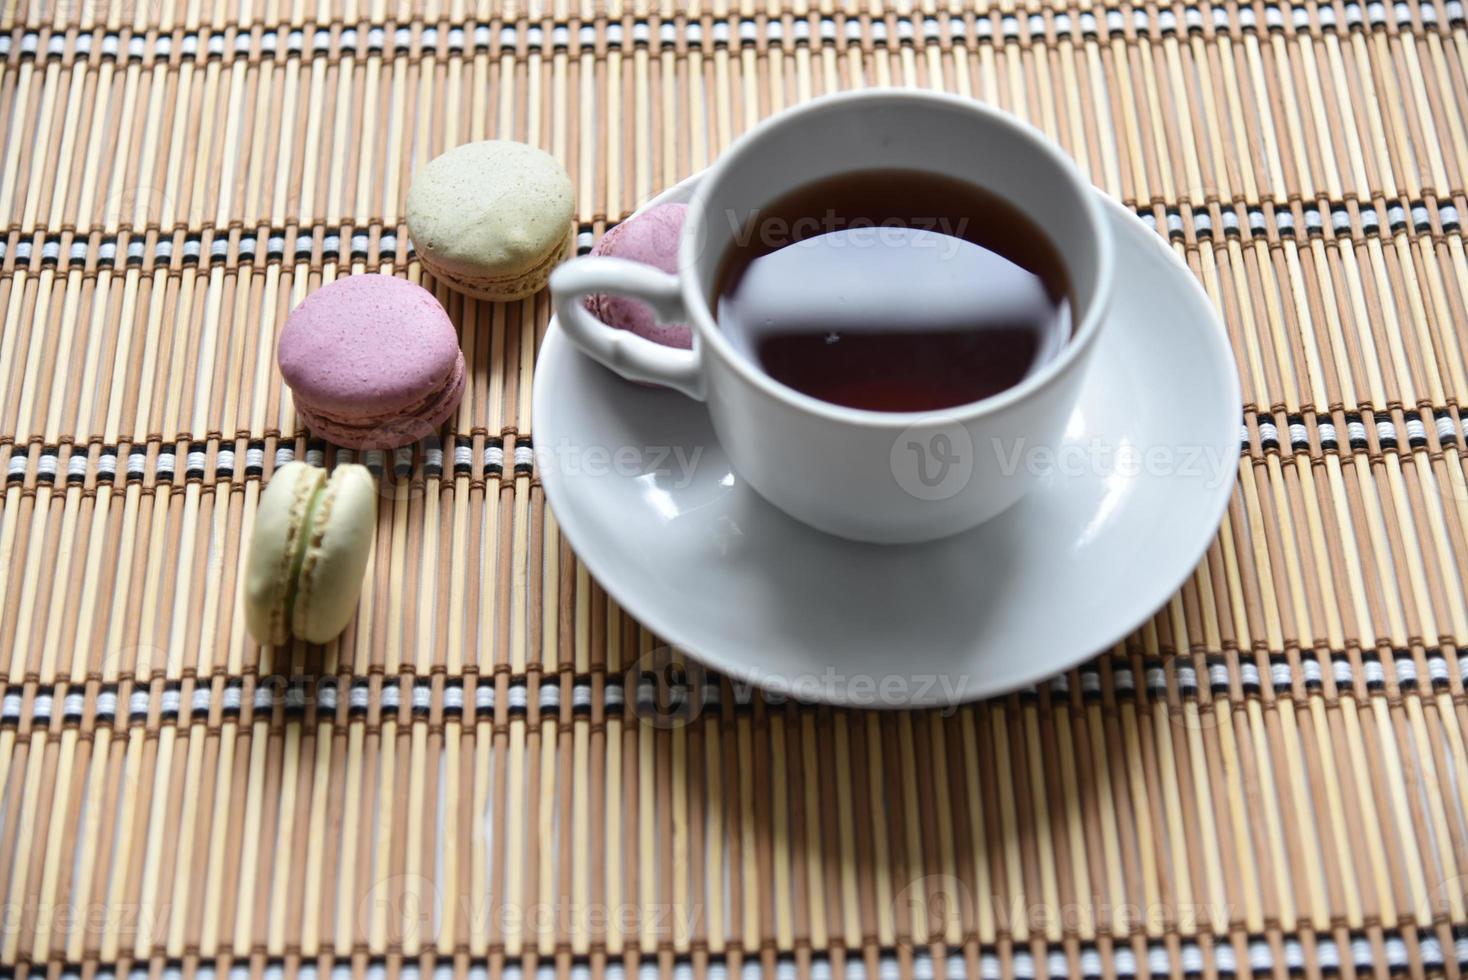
(308,552)
(492,219)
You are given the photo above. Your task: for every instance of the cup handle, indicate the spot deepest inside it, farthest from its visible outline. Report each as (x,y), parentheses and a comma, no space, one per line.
(631,356)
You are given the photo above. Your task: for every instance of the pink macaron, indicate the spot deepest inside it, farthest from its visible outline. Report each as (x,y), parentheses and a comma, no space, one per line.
(373,362)
(650,237)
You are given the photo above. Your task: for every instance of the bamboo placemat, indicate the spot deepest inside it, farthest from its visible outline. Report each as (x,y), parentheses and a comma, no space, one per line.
(1269,777)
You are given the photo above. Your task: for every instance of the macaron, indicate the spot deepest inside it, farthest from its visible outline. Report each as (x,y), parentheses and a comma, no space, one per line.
(373,362)
(650,237)
(492,219)
(308,552)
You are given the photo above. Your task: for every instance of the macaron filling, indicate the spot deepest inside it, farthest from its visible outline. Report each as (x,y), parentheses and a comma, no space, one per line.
(422,408)
(368,430)
(518,284)
(298,559)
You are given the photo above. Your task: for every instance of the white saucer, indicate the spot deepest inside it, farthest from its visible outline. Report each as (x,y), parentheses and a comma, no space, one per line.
(713,569)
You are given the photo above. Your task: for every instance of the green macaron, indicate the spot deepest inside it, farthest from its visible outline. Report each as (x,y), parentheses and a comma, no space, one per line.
(493,218)
(308,553)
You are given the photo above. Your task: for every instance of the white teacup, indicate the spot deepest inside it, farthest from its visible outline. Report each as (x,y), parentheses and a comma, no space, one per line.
(886,477)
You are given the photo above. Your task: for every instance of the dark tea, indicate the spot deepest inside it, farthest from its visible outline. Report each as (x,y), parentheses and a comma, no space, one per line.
(894,291)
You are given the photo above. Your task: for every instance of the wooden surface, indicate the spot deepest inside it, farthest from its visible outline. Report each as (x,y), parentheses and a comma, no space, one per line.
(1270,776)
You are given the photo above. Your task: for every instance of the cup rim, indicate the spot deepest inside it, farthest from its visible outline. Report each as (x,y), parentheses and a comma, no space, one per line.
(1083,335)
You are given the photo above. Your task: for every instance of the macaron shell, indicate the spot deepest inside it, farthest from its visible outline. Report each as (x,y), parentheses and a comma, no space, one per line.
(503,289)
(367,345)
(336,555)
(279,519)
(650,237)
(495,209)
(394,430)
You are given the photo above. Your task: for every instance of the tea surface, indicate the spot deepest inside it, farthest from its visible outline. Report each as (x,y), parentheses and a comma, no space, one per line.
(894,291)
